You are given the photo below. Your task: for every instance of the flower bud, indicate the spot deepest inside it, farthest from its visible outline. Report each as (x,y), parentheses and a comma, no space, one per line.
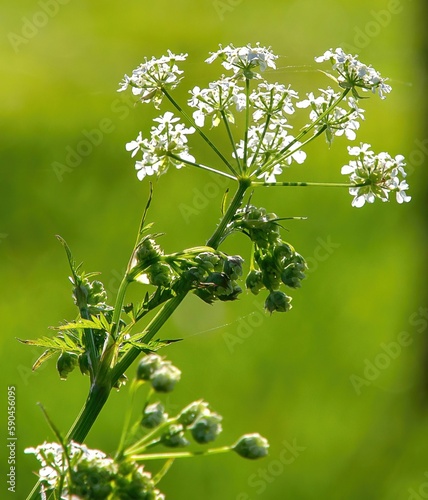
(283,251)
(97,294)
(251,446)
(189,414)
(159,274)
(206,428)
(208,261)
(269,269)
(233,266)
(292,275)
(153,415)
(278,301)
(254,281)
(165,377)
(66,363)
(147,253)
(147,366)
(233,295)
(174,437)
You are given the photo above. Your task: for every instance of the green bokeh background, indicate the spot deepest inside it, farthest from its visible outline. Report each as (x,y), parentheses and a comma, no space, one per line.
(288,377)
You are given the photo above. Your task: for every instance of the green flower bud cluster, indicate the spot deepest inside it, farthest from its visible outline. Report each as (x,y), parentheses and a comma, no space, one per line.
(146,264)
(275,262)
(217,277)
(90,295)
(212,274)
(195,421)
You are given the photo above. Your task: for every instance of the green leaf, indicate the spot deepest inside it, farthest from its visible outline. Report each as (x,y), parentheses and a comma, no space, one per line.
(329,75)
(57,343)
(152,346)
(95,323)
(43,358)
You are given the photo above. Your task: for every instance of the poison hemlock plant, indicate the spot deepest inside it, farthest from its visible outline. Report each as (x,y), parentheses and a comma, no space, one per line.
(105,340)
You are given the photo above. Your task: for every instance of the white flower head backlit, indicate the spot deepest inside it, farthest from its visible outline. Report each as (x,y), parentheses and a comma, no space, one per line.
(375,176)
(245,61)
(355,75)
(150,77)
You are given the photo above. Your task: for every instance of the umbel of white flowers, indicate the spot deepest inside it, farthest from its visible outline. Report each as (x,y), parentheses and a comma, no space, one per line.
(265,145)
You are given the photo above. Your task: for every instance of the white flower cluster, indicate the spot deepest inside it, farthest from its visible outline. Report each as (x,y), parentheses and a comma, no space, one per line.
(244,60)
(219,98)
(273,101)
(92,468)
(54,464)
(265,149)
(375,176)
(166,147)
(150,77)
(267,145)
(354,74)
(334,120)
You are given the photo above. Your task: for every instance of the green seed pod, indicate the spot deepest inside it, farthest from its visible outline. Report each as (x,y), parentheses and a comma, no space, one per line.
(174,437)
(147,366)
(206,428)
(251,446)
(165,377)
(153,415)
(189,414)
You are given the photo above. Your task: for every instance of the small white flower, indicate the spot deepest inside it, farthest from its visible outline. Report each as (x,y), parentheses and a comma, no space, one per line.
(219,98)
(268,152)
(353,74)
(335,121)
(375,176)
(148,79)
(273,100)
(166,147)
(244,61)
(134,146)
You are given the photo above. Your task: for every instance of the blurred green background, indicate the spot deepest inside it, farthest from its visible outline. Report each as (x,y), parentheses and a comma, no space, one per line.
(345,419)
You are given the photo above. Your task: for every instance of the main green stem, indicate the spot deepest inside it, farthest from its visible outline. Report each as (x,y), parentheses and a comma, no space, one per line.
(217,237)
(100,389)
